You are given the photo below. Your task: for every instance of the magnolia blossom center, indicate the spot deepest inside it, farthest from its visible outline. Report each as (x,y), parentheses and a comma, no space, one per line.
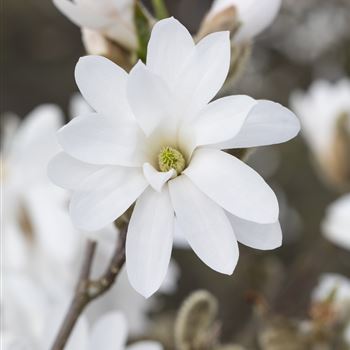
(171,158)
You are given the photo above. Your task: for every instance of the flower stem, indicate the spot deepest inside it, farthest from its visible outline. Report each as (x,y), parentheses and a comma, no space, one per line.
(160,9)
(87,290)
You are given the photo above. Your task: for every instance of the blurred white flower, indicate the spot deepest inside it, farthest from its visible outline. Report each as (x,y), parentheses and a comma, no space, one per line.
(109,332)
(40,244)
(336,289)
(254,15)
(330,283)
(325,116)
(27,309)
(35,222)
(156,140)
(113,18)
(336,224)
(319,110)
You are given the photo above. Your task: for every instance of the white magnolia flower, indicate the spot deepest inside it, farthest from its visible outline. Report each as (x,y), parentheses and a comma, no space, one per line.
(113,18)
(155,139)
(336,224)
(254,15)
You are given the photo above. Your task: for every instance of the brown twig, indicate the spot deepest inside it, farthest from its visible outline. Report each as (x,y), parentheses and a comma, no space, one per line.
(88,290)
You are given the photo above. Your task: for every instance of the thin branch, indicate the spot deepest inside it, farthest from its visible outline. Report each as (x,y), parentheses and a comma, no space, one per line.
(100,286)
(80,298)
(88,290)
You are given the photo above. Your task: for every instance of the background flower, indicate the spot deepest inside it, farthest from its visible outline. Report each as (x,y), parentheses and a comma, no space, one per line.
(325,115)
(113,18)
(253,16)
(336,224)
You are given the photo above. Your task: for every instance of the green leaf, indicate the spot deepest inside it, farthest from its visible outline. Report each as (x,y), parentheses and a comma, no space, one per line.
(143,30)
(160,9)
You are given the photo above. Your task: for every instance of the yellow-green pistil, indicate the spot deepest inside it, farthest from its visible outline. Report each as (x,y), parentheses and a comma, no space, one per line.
(170,158)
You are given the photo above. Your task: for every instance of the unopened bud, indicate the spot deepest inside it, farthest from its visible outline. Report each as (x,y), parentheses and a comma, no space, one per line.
(96,43)
(336,162)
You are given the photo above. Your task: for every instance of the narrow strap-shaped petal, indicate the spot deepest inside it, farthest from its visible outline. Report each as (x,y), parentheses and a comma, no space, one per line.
(105,195)
(268,123)
(204,74)
(103,84)
(222,119)
(149,98)
(149,241)
(167,57)
(258,236)
(157,179)
(68,172)
(97,140)
(233,185)
(205,225)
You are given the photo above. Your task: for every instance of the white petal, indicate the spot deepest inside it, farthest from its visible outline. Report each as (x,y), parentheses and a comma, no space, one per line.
(104,196)
(78,106)
(204,74)
(258,236)
(155,178)
(167,57)
(205,226)
(68,172)
(149,98)
(336,224)
(180,241)
(79,339)
(222,119)
(54,232)
(149,241)
(255,16)
(233,185)
(36,137)
(145,345)
(268,123)
(109,332)
(81,15)
(97,140)
(103,84)
(169,285)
